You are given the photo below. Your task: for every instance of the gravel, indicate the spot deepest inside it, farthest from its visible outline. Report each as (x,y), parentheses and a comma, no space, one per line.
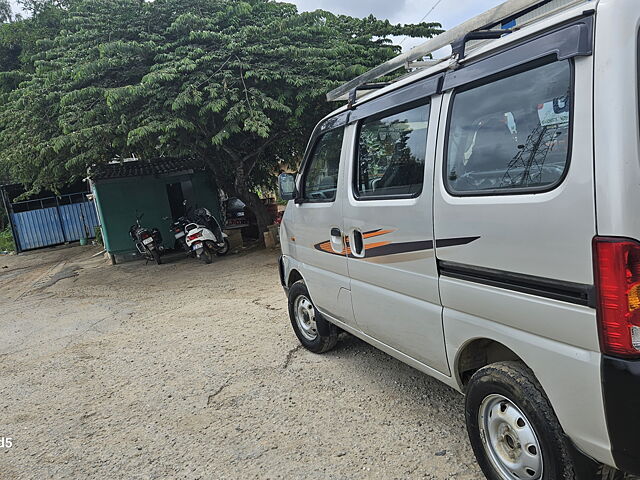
(187,370)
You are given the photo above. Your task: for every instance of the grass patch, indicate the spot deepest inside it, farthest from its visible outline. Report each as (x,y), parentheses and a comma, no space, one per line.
(6,241)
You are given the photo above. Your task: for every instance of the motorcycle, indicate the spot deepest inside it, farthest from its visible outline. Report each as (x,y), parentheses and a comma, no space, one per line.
(205,237)
(179,232)
(236,213)
(148,241)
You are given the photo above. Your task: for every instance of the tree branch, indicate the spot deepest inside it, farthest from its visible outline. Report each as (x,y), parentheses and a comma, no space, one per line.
(249,161)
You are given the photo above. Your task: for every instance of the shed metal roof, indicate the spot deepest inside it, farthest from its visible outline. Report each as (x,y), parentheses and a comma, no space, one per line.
(141,168)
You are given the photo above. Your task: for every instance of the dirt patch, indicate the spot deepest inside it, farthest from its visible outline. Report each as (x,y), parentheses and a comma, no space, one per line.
(186,370)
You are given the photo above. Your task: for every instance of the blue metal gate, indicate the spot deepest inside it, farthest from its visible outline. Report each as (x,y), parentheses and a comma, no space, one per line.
(51,221)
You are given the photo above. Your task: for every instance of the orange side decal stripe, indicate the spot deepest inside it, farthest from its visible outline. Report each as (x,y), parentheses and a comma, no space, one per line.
(377,234)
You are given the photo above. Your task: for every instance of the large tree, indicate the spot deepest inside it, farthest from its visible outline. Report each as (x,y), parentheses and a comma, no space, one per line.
(237,84)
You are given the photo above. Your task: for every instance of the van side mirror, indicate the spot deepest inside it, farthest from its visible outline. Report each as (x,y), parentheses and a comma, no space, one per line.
(287,186)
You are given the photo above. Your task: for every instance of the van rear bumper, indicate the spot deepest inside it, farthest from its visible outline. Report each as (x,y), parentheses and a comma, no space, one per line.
(621,391)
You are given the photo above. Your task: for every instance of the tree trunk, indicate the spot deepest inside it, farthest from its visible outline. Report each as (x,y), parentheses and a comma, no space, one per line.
(240,188)
(252,200)
(259,209)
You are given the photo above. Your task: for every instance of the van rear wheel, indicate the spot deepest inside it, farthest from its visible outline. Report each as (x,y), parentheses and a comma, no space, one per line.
(512,428)
(314,332)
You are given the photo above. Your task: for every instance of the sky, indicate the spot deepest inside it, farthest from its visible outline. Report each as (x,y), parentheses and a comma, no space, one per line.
(447,12)
(15,7)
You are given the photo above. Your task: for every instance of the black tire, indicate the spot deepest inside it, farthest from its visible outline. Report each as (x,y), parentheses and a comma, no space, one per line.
(156,256)
(516,383)
(223,251)
(326,332)
(206,255)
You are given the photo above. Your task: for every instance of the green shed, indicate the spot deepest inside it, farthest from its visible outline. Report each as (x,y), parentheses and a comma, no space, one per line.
(154,188)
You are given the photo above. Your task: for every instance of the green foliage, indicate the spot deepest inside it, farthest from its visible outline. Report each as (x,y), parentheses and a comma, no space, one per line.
(238,84)
(6,14)
(97,233)
(6,241)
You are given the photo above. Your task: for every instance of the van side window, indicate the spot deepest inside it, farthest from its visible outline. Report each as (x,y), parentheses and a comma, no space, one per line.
(321,176)
(511,135)
(391,154)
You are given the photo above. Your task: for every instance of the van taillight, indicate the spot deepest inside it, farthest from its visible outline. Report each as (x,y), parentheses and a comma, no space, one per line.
(617,279)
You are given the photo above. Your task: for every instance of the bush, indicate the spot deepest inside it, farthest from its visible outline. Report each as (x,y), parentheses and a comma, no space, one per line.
(98,234)
(6,241)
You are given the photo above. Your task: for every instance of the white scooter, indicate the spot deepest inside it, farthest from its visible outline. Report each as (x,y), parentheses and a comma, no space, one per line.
(202,241)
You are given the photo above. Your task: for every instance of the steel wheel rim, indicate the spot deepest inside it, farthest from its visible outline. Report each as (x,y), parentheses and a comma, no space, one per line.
(305,315)
(509,439)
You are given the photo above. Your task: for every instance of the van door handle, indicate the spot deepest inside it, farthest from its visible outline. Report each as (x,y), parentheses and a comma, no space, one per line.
(358,244)
(337,242)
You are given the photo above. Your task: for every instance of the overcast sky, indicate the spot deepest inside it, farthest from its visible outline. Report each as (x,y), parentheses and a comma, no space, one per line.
(448,12)
(15,7)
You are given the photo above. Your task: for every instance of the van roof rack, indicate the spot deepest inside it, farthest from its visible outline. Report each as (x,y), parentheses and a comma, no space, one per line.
(479,27)
(353,94)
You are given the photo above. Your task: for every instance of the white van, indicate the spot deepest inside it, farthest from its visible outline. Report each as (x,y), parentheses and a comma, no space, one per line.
(479,220)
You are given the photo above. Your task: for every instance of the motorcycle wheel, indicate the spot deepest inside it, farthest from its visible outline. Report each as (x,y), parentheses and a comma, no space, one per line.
(206,255)
(156,256)
(224,250)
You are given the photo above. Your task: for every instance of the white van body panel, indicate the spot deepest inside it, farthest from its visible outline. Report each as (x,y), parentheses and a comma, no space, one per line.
(617,128)
(539,221)
(546,235)
(417,313)
(326,274)
(395,297)
(565,372)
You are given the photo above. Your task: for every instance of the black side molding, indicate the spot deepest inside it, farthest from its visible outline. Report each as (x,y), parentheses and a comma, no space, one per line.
(621,393)
(577,293)
(419,91)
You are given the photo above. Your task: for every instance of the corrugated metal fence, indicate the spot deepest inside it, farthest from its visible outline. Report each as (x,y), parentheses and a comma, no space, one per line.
(37,224)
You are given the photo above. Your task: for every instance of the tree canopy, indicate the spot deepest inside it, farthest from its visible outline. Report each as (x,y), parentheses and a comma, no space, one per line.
(237,84)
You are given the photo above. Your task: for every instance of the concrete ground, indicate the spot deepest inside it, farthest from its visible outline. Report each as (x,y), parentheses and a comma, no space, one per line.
(187,370)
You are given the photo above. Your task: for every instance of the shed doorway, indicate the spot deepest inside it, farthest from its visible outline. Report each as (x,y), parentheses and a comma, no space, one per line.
(177,193)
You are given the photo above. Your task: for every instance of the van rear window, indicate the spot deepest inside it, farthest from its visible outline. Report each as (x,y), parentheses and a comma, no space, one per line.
(511,135)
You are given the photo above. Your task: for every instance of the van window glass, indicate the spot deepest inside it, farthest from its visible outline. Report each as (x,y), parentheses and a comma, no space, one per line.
(511,134)
(391,154)
(321,178)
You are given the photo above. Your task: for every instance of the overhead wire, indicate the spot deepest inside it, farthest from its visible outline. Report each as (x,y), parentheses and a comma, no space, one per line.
(435,5)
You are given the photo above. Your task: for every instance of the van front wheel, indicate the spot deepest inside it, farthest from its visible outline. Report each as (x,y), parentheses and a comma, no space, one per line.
(314,332)
(513,430)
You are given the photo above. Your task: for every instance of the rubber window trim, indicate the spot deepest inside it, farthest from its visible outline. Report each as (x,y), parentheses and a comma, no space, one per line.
(306,165)
(512,191)
(382,114)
